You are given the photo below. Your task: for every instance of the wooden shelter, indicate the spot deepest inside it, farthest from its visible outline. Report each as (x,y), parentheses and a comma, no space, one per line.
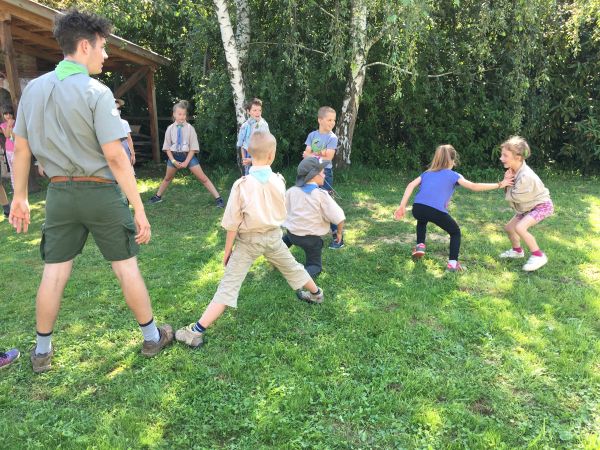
(30,50)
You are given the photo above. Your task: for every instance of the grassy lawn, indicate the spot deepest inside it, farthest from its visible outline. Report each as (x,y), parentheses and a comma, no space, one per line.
(400,355)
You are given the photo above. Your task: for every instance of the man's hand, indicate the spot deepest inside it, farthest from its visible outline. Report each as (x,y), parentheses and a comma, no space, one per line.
(132,158)
(246,161)
(19,215)
(142,227)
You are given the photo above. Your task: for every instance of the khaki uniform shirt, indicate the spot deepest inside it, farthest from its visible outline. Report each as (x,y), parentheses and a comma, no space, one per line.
(310,214)
(527,191)
(67,121)
(254,207)
(189,139)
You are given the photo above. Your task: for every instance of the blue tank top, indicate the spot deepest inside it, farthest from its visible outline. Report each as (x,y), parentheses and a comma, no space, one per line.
(437,188)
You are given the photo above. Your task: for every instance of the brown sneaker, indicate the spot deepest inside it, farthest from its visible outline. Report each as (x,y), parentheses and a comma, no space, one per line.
(42,362)
(150,348)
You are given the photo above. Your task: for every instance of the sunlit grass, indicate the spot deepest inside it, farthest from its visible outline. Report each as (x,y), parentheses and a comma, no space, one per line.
(400,355)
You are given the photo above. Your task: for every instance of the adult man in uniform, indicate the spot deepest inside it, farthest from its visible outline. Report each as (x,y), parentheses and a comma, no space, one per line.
(69,122)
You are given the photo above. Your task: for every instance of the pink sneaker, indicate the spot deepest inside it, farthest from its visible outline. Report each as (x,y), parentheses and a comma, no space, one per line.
(419,251)
(456,268)
(8,357)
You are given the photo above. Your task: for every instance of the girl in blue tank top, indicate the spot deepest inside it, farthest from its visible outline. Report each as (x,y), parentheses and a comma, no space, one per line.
(437,185)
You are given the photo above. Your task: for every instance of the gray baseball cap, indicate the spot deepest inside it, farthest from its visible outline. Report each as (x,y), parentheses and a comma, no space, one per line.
(308,169)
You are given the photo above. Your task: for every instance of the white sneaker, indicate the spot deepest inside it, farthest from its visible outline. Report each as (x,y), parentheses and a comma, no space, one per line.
(512,254)
(535,262)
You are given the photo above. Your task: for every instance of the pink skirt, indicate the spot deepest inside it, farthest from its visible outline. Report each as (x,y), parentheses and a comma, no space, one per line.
(539,212)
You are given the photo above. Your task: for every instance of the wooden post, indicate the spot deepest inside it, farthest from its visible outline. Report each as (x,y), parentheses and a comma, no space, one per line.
(151,96)
(12,75)
(131,82)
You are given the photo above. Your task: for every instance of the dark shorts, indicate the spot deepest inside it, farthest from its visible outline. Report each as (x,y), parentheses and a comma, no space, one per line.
(180,157)
(74,209)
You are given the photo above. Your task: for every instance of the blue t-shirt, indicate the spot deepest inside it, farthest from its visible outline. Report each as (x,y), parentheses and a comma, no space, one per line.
(437,188)
(319,142)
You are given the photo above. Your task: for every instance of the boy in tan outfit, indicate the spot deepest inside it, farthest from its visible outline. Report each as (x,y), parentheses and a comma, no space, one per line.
(253,217)
(310,212)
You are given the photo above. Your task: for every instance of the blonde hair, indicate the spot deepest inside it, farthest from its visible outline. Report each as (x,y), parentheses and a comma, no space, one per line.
(182,104)
(517,146)
(444,155)
(324,110)
(261,144)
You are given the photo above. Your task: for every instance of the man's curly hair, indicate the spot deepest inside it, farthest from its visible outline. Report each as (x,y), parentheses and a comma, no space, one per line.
(74,26)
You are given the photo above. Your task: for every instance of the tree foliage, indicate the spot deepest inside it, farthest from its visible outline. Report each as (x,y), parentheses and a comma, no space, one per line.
(469,73)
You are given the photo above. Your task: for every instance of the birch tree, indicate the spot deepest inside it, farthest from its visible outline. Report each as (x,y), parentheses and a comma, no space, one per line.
(372,21)
(355,81)
(235,46)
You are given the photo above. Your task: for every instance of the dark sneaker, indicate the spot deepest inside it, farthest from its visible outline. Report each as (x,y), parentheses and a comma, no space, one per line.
(150,348)
(8,357)
(335,245)
(42,362)
(219,203)
(155,199)
(189,336)
(418,251)
(309,297)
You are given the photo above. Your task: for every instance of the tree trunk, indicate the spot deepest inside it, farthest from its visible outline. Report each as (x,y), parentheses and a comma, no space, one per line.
(242,30)
(354,84)
(234,69)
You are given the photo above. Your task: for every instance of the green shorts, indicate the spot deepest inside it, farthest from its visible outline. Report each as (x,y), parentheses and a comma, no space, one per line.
(76,208)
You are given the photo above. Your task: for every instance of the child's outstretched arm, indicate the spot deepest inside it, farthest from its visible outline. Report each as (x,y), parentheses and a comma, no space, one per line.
(485,186)
(401,211)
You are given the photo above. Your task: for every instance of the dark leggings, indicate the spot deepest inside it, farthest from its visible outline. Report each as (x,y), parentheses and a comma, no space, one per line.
(425,214)
(313,248)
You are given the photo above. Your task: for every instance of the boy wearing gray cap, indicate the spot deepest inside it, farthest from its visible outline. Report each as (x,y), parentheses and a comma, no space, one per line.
(253,216)
(310,211)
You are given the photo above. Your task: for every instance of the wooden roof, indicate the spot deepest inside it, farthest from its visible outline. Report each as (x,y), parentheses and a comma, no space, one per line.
(31,27)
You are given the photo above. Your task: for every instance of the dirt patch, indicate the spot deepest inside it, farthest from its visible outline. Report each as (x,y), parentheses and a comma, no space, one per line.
(481,406)
(407,238)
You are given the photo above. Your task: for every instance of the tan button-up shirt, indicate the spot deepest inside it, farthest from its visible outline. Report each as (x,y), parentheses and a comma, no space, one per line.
(310,214)
(255,207)
(527,191)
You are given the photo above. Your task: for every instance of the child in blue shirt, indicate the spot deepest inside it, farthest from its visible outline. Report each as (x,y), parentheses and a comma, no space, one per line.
(431,202)
(322,144)
(254,123)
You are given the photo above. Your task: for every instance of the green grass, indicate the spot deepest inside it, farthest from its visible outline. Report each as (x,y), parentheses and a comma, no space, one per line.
(400,355)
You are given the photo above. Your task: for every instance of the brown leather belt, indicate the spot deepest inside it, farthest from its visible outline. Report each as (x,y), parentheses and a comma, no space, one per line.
(94,179)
